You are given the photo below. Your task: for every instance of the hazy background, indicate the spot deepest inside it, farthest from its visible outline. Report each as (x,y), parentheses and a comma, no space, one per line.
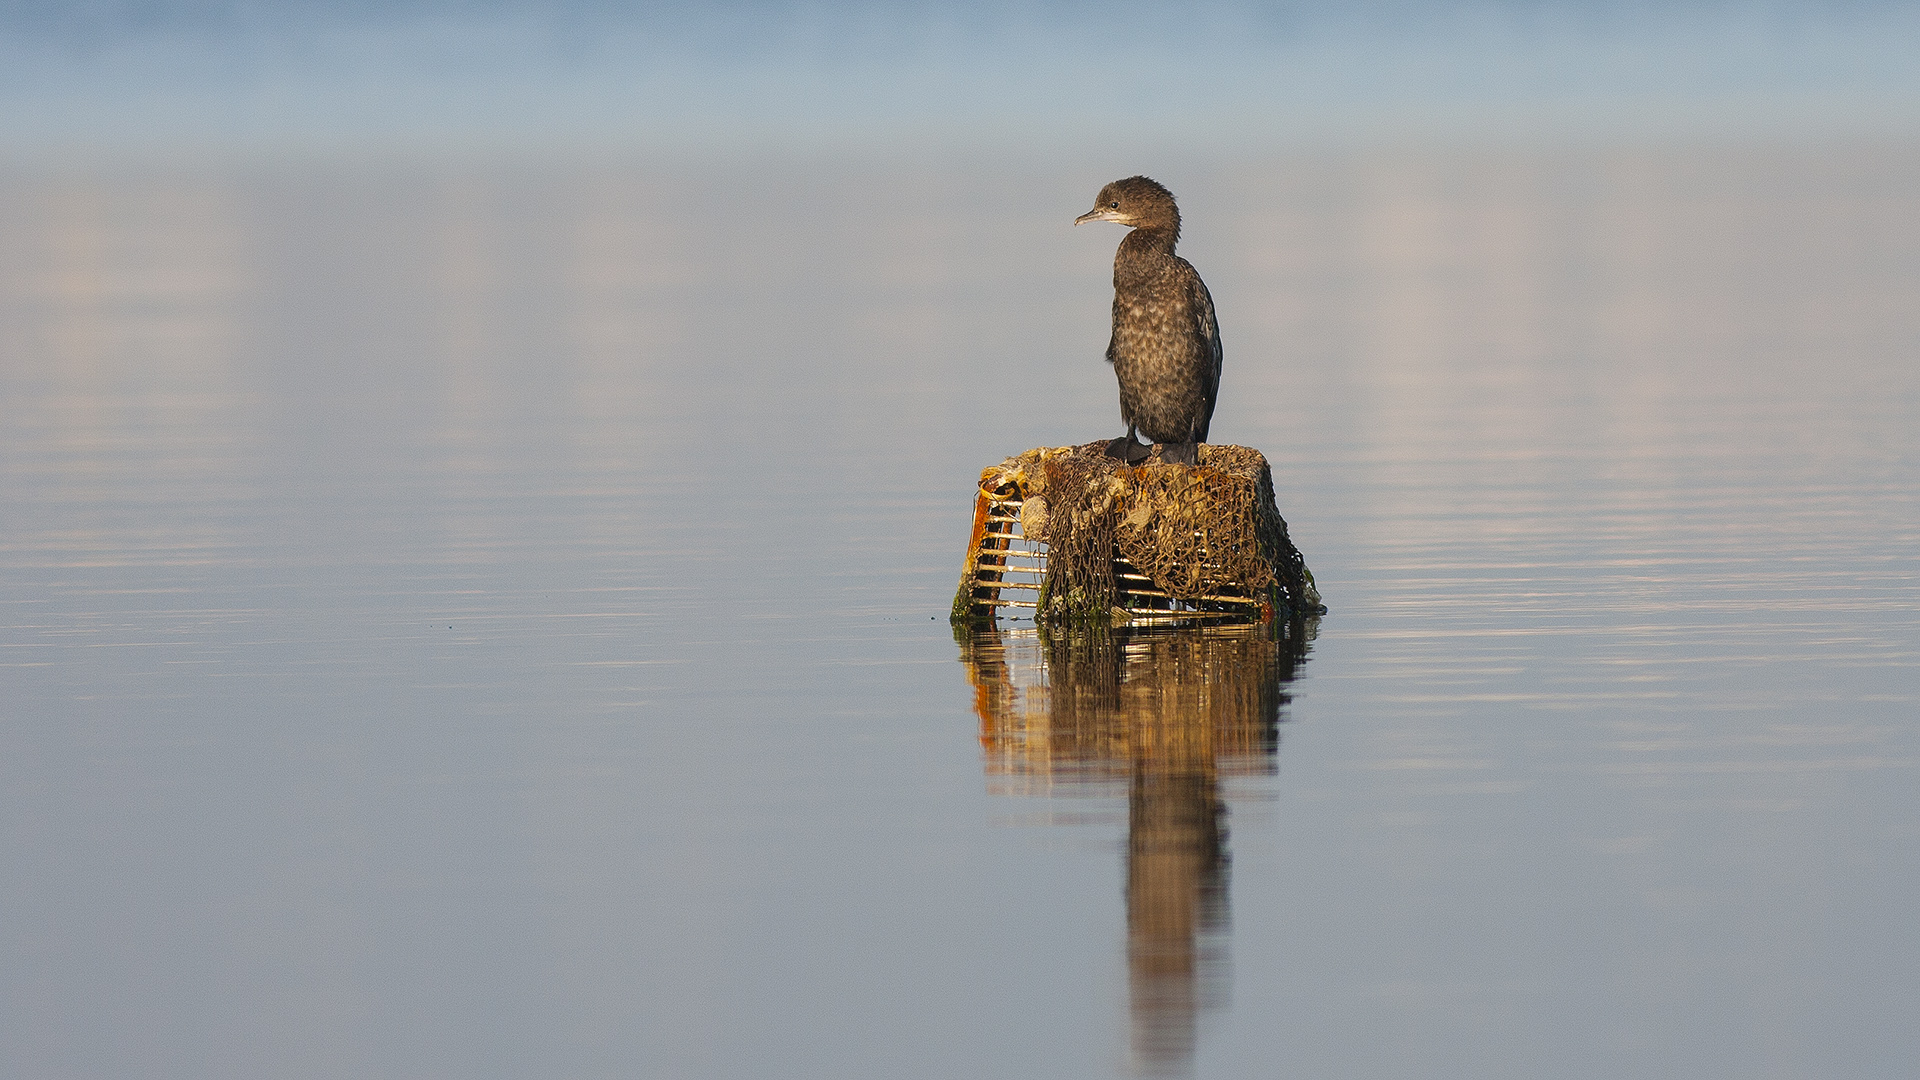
(1225,78)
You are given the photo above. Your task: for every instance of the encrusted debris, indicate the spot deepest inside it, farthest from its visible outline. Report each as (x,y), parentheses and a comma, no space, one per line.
(1074,534)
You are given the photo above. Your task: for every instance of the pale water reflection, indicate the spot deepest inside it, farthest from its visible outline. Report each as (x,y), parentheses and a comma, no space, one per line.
(489,619)
(1158,718)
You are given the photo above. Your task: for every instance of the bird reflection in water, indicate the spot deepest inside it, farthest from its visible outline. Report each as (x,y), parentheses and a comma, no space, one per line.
(1167,714)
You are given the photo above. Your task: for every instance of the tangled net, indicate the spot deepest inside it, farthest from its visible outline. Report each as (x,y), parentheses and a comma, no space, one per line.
(1205,534)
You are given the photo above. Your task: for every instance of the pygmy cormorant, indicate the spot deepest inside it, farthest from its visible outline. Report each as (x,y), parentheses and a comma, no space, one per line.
(1165,347)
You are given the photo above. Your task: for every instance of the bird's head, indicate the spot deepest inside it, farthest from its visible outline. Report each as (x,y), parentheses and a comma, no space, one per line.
(1135,201)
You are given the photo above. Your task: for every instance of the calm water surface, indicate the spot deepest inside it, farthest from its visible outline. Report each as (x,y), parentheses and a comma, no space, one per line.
(489,620)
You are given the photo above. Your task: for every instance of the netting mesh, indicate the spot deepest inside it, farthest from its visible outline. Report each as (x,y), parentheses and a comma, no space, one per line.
(1205,534)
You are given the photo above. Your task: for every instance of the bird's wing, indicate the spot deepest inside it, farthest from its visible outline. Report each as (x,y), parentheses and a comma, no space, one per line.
(1200,302)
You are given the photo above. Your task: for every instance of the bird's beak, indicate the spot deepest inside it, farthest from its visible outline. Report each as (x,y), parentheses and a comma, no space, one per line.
(1104,213)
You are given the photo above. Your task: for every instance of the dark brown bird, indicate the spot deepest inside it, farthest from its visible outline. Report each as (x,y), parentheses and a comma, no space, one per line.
(1165,348)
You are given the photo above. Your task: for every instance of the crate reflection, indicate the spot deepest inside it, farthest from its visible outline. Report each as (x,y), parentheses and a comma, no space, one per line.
(1160,716)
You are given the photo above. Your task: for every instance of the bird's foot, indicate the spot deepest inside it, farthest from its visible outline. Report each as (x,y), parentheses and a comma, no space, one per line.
(1126,449)
(1180,453)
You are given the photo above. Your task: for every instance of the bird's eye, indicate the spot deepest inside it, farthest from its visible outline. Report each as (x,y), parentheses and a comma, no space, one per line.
(1114,205)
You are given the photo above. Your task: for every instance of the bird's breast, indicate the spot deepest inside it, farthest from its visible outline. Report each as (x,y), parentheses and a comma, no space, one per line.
(1150,323)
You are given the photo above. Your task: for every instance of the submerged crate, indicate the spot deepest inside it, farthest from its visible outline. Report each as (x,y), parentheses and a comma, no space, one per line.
(1067,533)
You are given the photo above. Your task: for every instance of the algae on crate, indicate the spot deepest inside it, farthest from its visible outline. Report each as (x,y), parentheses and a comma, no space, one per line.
(1126,542)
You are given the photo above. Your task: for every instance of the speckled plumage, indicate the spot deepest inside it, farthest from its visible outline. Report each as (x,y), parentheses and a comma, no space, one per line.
(1165,348)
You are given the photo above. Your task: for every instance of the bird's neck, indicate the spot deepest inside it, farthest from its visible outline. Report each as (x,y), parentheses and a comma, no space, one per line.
(1143,254)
